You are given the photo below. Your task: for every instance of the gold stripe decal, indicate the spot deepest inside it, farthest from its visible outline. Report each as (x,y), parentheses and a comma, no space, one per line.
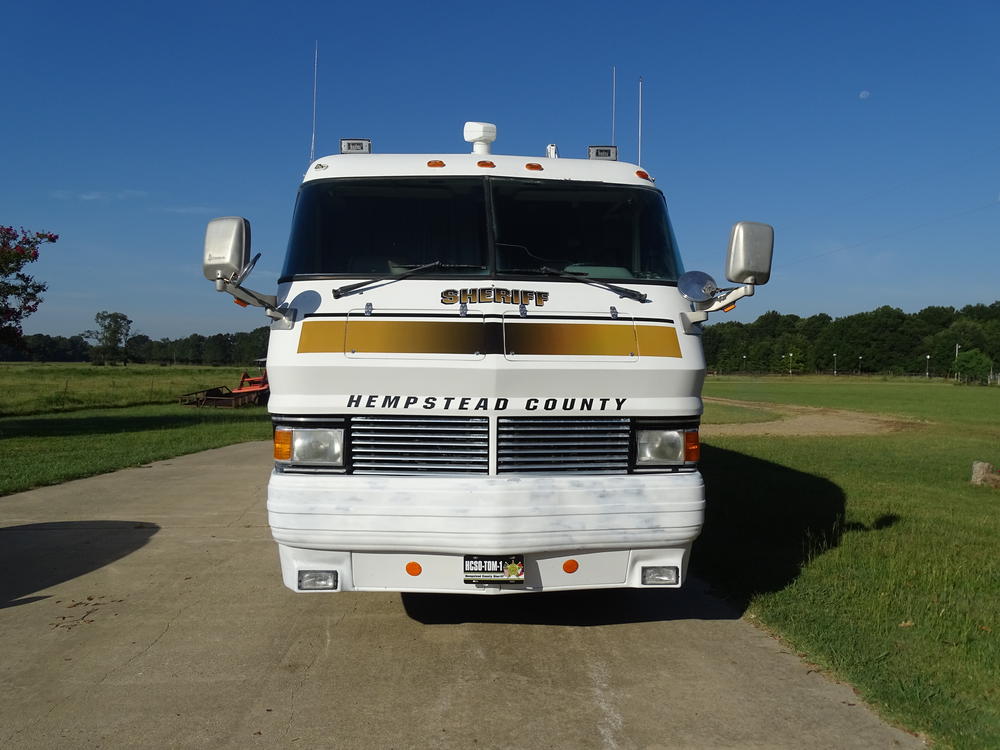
(415,337)
(658,341)
(476,337)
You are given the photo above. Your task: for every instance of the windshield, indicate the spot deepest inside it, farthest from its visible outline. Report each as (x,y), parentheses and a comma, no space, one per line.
(388,226)
(587,229)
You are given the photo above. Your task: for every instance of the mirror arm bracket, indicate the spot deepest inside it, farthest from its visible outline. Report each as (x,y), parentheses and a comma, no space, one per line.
(283,316)
(725,298)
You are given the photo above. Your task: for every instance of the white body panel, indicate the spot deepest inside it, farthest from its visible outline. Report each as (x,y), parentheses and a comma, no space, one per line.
(321,382)
(368,528)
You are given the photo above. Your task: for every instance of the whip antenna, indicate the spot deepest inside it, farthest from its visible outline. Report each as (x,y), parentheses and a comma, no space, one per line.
(639,160)
(312,144)
(614,96)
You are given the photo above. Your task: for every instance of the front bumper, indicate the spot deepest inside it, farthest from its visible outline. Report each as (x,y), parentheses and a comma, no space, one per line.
(369,527)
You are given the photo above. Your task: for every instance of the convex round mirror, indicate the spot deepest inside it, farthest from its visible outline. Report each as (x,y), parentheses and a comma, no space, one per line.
(697,286)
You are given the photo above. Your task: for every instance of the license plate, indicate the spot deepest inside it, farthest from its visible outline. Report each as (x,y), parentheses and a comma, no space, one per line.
(493,568)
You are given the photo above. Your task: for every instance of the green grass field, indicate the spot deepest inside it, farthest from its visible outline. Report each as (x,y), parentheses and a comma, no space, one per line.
(61,422)
(871,555)
(31,388)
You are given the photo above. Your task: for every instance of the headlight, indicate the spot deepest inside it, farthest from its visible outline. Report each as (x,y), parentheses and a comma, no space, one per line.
(666,447)
(309,446)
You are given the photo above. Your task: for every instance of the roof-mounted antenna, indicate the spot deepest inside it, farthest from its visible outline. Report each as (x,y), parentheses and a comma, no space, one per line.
(312,144)
(639,160)
(614,97)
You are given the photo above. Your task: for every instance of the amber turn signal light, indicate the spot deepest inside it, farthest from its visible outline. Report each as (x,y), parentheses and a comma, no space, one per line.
(692,446)
(282,445)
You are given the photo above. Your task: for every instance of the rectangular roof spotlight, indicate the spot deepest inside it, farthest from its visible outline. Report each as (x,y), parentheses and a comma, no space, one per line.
(609,153)
(355,145)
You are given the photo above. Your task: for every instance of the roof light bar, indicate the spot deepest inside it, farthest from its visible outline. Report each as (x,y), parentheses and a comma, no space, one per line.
(355,145)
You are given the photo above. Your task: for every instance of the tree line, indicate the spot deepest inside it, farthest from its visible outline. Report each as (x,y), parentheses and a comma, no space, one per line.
(219,349)
(937,341)
(112,342)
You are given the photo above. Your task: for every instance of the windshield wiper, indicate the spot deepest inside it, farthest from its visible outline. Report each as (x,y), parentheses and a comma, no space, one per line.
(360,285)
(619,290)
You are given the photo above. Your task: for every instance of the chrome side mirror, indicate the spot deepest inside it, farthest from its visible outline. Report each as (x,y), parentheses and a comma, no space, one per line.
(750,248)
(227,246)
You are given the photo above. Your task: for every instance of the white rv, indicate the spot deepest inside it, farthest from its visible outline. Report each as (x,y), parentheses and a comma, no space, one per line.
(485,372)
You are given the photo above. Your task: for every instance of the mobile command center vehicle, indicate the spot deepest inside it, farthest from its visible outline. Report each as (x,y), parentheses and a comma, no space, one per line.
(485,372)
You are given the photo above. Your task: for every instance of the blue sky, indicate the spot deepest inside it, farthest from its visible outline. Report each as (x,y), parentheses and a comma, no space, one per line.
(866,133)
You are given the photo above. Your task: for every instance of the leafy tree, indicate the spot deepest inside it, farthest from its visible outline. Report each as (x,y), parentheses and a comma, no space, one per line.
(138,348)
(110,338)
(937,317)
(43,348)
(973,366)
(981,313)
(248,347)
(218,350)
(20,294)
(189,350)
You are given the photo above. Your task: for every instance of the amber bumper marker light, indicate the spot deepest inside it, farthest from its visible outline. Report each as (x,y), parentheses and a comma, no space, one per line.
(571,566)
(414,568)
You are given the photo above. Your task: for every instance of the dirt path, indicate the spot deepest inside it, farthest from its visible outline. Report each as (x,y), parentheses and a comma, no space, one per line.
(807,420)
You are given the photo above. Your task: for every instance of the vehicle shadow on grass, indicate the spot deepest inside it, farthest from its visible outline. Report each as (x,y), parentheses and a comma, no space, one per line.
(763,523)
(36,556)
(70,424)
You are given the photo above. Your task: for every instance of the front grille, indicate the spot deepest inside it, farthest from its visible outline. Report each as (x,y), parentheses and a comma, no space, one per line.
(553,445)
(427,445)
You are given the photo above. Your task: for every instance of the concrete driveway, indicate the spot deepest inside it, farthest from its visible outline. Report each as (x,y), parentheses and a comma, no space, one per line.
(144,609)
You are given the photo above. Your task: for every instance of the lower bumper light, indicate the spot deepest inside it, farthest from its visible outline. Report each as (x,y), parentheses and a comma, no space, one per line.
(667,575)
(317,580)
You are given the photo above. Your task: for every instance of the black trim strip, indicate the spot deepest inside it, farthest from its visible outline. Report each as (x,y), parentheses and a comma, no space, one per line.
(532,277)
(450,316)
